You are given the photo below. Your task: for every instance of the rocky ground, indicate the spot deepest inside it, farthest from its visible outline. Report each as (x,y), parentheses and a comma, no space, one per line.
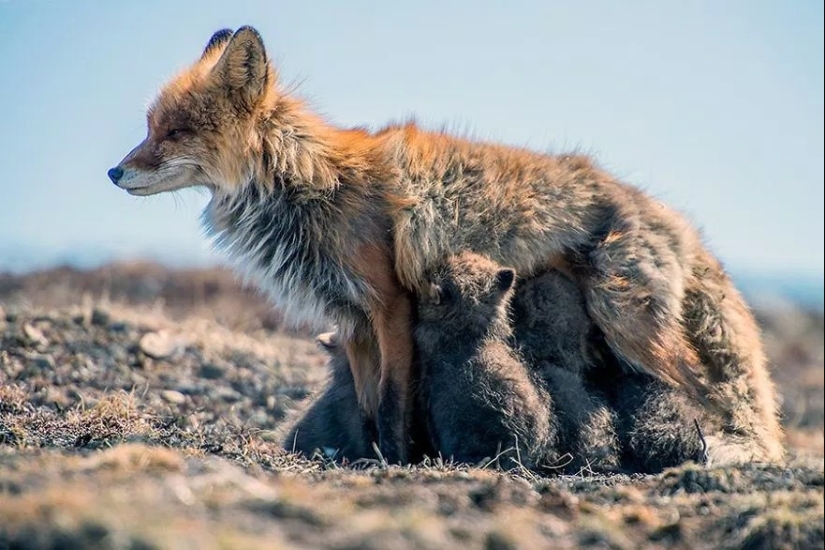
(142,407)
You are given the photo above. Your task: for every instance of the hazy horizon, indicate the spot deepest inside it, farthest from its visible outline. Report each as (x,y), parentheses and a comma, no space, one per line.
(717,109)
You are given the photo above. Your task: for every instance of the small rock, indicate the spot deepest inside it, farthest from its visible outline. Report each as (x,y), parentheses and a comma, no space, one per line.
(191,389)
(56,398)
(34,335)
(100,317)
(211,371)
(118,354)
(174,397)
(228,395)
(259,418)
(497,540)
(158,345)
(118,326)
(43,362)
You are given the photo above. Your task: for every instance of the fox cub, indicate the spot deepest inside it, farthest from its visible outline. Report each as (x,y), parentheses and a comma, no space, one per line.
(479,398)
(561,344)
(342,225)
(333,426)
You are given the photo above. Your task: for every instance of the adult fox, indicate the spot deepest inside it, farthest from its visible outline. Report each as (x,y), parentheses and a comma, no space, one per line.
(342,225)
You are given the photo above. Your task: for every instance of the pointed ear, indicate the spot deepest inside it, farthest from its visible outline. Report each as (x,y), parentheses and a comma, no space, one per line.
(434,294)
(218,40)
(243,67)
(505,279)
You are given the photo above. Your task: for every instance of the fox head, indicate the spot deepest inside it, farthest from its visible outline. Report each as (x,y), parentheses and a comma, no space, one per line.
(202,125)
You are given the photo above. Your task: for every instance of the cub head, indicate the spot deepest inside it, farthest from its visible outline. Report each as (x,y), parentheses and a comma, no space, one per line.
(467,291)
(552,324)
(201,125)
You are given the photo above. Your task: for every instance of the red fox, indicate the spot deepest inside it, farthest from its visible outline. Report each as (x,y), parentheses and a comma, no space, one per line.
(341,224)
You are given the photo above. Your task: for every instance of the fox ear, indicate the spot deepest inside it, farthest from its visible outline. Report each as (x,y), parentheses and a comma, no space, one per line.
(505,279)
(243,67)
(218,39)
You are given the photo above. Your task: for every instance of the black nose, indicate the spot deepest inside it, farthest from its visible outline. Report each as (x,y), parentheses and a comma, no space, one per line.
(115,174)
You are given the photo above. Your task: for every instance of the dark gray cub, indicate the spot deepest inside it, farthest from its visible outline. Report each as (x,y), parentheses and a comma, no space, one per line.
(609,419)
(657,424)
(334,426)
(561,344)
(481,404)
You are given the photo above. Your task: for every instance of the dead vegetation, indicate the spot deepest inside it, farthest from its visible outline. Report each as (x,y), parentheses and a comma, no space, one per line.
(137,419)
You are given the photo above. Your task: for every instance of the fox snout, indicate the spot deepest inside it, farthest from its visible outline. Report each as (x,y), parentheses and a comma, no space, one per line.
(151,168)
(115,174)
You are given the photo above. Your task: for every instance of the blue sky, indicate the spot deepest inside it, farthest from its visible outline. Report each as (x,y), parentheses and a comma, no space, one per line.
(714,107)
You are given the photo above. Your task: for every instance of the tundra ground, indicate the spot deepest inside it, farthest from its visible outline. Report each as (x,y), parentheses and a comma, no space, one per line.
(142,407)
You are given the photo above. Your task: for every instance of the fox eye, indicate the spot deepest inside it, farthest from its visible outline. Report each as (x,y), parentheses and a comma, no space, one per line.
(175,132)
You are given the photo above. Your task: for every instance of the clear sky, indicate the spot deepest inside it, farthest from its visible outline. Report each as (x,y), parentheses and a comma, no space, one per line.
(714,107)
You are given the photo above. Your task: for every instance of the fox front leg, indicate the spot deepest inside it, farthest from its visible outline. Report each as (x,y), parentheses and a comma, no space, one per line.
(393,330)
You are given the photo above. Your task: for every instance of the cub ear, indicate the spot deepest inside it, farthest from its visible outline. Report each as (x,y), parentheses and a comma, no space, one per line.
(243,67)
(505,279)
(327,341)
(434,294)
(218,39)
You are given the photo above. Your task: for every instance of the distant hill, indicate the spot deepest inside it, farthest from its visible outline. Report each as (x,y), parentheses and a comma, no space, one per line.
(805,290)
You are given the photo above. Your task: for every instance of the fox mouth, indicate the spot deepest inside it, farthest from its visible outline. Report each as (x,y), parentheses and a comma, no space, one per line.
(143,183)
(145,191)
(141,191)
